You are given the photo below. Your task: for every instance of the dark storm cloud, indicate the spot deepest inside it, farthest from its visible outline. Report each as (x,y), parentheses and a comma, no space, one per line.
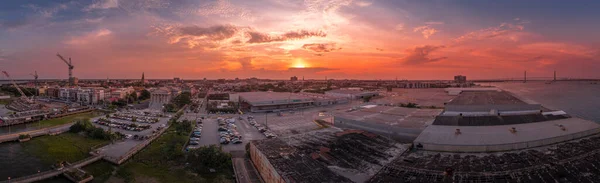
(259,37)
(420,55)
(218,32)
(326,47)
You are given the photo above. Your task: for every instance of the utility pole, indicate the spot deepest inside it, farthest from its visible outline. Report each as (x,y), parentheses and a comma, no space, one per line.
(266,124)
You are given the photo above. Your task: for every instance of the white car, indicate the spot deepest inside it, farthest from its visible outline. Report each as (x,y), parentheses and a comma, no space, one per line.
(128,136)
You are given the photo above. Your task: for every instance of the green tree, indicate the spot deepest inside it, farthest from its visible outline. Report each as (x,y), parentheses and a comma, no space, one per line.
(79,126)
(212,157)
(145,94)
(367,98)
(183,99)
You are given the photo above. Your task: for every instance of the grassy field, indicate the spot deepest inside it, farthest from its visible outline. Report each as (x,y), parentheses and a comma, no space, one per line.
(67,147)
(4,101)
(67,119)
(155,162)
(164,161)
(101,170)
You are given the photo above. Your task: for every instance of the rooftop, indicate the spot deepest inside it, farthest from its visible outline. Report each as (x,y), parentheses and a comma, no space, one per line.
(272,97)
(494,119)
(329,155)
(350,92)
(500,137)
(393,116)
(574,161)
(485,98)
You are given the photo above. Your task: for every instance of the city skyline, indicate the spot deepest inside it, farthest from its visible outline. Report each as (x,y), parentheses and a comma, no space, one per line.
(314,38)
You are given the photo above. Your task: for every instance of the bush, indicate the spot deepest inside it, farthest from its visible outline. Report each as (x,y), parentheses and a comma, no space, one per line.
(91,131)
(205,158)
(185,127)
(409,105)
(80,126)
(24,136)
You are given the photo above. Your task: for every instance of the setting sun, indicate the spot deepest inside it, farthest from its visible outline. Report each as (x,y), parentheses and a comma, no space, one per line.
(299,64)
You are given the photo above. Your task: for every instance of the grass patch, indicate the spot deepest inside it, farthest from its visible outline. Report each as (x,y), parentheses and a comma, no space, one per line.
(4,101)
(164,161)
(69,147)
(67,119)
(101,170)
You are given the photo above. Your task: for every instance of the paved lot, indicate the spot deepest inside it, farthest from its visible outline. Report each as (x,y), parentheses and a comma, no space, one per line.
(121,148)
(210,135)
(248,133)
(424,97)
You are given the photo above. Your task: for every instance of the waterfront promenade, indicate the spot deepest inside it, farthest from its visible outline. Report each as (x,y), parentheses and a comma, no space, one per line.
(53,173)
(36,133)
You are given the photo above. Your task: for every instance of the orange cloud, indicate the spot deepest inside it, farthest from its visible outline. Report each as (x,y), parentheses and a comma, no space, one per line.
(427,31)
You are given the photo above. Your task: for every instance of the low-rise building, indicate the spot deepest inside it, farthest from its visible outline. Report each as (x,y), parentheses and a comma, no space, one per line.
(351,94)
(159,97)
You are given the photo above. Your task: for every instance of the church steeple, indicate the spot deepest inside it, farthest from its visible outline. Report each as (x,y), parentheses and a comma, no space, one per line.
(143,79)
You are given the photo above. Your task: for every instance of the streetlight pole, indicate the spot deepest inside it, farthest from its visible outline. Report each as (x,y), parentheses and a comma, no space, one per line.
(266,124)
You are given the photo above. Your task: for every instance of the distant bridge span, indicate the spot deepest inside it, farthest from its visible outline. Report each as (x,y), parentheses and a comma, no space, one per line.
(535,79)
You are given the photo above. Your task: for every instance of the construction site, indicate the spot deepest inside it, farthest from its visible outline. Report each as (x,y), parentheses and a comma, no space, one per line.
(30,109)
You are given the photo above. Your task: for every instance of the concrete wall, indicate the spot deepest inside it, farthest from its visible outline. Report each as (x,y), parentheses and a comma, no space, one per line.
(506,147)
(264,167)
(397,133)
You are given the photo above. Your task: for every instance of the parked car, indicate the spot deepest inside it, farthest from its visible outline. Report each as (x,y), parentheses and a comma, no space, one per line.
(261,129)
(270,135)
(194,139)
(224,141)
(194,142)
(236,141)
(128,136)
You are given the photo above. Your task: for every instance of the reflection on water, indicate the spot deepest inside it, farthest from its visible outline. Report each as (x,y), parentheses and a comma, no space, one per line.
(16,163)
(580,99)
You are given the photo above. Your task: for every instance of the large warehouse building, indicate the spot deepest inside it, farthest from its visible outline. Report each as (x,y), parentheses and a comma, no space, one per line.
(484,121)
(279,101)
(351,94)
(481,136)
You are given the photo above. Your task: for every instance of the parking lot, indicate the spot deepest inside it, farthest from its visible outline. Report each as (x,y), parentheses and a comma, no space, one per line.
(211,136)
(121,148)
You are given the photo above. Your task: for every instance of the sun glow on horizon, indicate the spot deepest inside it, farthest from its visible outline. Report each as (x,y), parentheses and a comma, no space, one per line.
(299,63)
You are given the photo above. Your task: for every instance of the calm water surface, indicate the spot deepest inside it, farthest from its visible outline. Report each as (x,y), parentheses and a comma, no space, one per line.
(580,99)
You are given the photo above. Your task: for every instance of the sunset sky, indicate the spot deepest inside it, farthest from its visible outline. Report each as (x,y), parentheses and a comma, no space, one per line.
(360,39)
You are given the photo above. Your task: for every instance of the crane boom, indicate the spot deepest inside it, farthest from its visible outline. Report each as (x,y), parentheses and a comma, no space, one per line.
(64,60)
(16,86)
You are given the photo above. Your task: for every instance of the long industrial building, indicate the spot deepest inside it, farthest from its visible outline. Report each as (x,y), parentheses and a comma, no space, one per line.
(483,135)
(279,101)
(484,121)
